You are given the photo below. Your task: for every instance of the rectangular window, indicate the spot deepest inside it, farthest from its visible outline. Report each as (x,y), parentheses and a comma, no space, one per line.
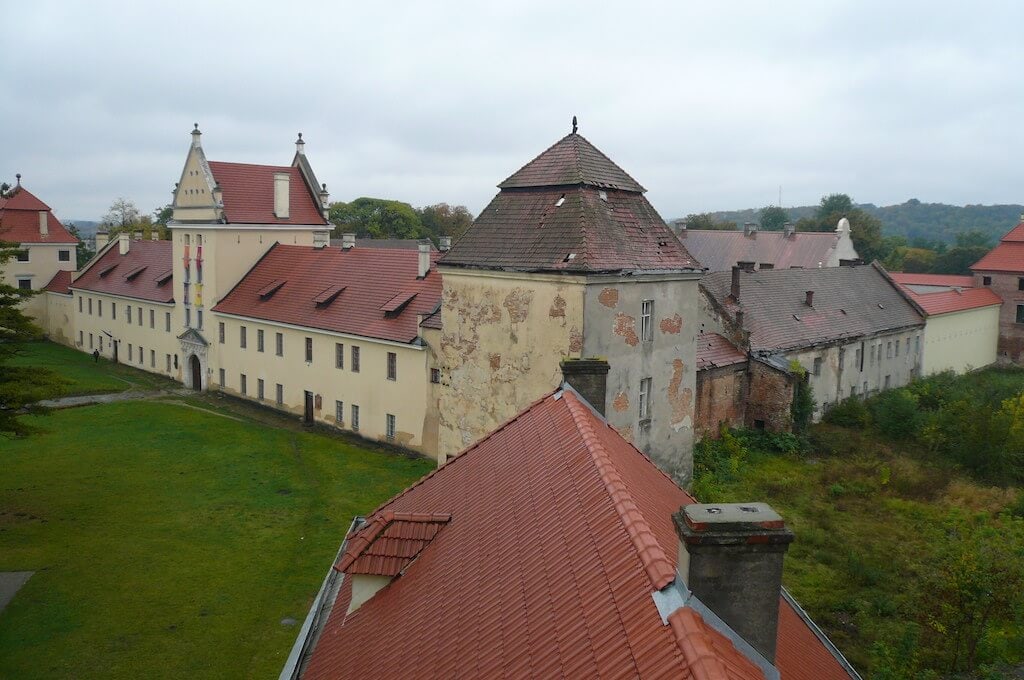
(199,319)
(339,355)
(221,377)
(389,427)
(101,343)
(646,316)
(241,337)
(128,313)
(24,284)
(167,322)
(259,339)
(1020,283)
(856,359)
(129,348)
(142,355)
(887,382)
(80,337)
(897,348)
(113,310)
(392,366)
(917,344)
(842,358)
(152,358)
(79,305)
(355,359)
(817,365)
(888,350)
(1020,313)
(152,318)
(280,394)
(90,345)
(220,332)
(309,349)
(435,375)
(355,418)
(22,256)
(99,308)
(188,317)
(986,280)
(90,306)
(865,392)
(339,413)
(259,389)
(168,362)
(241,383)
(64,256)
(645,399)
(140,315)
(279,344)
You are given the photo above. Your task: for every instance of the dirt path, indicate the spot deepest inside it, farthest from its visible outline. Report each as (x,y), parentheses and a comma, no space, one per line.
(128,395)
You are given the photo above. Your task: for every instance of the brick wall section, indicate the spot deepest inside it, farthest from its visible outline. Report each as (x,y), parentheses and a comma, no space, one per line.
(721,398)
(1011,333)
(771,393)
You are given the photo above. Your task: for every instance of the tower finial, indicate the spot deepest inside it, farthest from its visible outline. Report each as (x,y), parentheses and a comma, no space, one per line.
(574,126)
(196,126)
(18,177)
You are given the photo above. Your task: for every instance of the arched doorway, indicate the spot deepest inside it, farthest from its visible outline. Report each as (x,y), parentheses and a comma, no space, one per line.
(197,372)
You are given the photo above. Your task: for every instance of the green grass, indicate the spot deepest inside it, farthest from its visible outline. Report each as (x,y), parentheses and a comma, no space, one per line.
(84,375)
(169,542)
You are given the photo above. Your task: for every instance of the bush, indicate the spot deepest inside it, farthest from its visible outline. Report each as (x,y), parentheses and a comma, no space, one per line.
(895,413)
(850,412)
(716,461)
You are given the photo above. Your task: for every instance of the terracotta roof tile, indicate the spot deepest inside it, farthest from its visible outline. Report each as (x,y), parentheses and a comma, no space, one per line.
(248,194)
(108,273)
(19,221)
(719,251)
(572,160)
(946,280)
(548,573)
(944,302)
(390,542)
(1007,256)
(60,283)
(848,302)
(714,351)
(365,279)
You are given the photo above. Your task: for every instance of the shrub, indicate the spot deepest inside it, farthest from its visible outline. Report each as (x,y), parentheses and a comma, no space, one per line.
(895,413)
(850,412)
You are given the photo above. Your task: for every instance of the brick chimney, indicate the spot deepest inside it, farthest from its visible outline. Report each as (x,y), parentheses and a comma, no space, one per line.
(123,242)
(589,377)
(734,290)
(44,226)
(809,299)
(787,229)
(750,229)
(444,243)
(423,261)
(730,557)
(281,194)
(348,241)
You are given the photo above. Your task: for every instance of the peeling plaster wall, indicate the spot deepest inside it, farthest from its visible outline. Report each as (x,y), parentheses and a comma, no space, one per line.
(612,330)
(504,336)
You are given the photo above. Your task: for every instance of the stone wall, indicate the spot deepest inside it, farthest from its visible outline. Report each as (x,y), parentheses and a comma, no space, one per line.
(1011,333)
(769,398)
(721,398)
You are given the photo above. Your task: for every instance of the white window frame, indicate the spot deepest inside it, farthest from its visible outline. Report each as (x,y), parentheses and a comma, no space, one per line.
(647,321)
(644,401)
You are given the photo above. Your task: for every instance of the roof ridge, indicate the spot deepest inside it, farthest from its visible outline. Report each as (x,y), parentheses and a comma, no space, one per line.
(657,565)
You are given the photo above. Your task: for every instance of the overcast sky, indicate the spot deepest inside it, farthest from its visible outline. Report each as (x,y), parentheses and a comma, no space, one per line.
(710,107)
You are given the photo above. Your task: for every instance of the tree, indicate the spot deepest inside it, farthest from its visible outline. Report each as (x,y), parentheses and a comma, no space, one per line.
(958,259)
(376,218)
(708,221)
(773,218)
(162,215)
(834,204)
(20,387)
(918,260)
(5,189)
(445,220)
(83,252)
(865,229)
(122,214)
(801,410)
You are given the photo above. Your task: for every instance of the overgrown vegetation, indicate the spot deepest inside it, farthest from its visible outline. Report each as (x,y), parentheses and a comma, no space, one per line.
(909,518)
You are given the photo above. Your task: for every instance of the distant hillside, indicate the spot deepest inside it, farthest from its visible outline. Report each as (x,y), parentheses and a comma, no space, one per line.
(85,227)
(915,219)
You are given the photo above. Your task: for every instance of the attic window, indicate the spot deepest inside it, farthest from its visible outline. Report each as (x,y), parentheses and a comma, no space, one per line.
(881,306)
(165,277)
(560,201)
(570,257)
(327,296)
(106,270)
(134,272)
(395,305)
(270,288)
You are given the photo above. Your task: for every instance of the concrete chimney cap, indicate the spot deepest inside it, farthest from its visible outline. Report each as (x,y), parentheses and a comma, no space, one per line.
(738,517)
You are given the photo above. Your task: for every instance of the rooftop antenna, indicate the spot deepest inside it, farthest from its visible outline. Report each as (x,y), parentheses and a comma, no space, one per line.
(574,126)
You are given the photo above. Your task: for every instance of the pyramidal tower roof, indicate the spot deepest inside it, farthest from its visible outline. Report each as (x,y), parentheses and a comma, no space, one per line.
(569,161)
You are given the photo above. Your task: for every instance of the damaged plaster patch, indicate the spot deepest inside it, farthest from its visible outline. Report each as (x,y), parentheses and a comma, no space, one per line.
(621,402)
(575,340)
(626,433)
(680,400)
(557,307)
(517,303)
(609,297)
(625,327)
(495,361)
(672,324)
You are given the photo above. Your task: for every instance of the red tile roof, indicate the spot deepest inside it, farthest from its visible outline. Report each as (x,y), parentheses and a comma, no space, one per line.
(569,161)
(948,280)
(719,251)
(1007,256)
(248,194)
(111,272)
(848,302)
(19,220)
(368,278)
(714,351)
(559,532)
(389,543)
(60,283)
(570,210)
(946,301)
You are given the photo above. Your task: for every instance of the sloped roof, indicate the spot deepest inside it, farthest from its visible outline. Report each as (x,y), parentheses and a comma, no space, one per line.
(60,283)
(938,280)
(946,301)
(405,243)
(108,273)
(1007,256)
(569,161)
(714,351)
(559,532)
(848,302)
(719,251)
(19,220)
(369,278)
(248,194)
(389,543)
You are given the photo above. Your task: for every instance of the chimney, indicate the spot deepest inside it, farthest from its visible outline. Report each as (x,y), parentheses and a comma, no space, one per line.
(734,291)
(154,234)
(321,239)
(300,146)
(325,201)
(424,260)
(348,241)
(730,557)
(589,377)
(787,229)
(810,298)
(681,228)
(44,226)
(138,235)
(101,239)
(123,242)
(749,229)
(218,195)
(444,243)
(281,182)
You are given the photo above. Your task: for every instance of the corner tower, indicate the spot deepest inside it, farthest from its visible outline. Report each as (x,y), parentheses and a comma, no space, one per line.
(570,260)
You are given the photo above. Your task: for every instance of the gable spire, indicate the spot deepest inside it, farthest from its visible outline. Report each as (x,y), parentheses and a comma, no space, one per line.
(196,134)
(574,126)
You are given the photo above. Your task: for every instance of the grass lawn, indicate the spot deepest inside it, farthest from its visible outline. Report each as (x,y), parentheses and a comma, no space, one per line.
(85,376)
(171,542)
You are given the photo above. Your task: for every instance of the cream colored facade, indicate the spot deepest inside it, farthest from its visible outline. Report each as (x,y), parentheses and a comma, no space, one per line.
(961,341)
(43,262)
